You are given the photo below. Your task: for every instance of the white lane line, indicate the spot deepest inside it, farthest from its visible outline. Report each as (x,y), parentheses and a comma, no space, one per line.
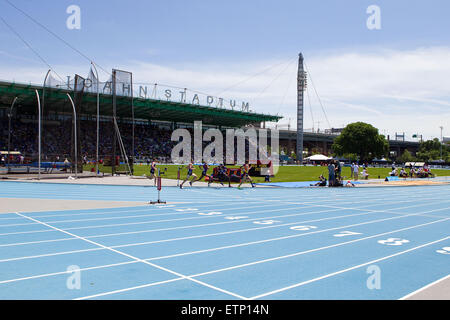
(424,288)
(311,204)
(204,217)
(183,227)
(144,216)
(316,196)
(362,208)
(218,223)
(281,238)
(170,220)
(151,210)
(138,259)
(211,249)
(346,270)
(49,254)
(319,249)
(295,285)
(165,229)
(128,289)
(67,272)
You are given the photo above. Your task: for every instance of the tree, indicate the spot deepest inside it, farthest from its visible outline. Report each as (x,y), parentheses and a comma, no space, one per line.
(431,150)
(406,157)
(362,139)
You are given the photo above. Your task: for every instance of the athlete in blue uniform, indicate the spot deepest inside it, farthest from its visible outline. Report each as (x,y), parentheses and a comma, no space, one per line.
(190,173)
(153,171)
(204,169)
(223,175)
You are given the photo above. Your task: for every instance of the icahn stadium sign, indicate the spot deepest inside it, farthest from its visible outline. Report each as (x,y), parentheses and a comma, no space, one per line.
(125,87)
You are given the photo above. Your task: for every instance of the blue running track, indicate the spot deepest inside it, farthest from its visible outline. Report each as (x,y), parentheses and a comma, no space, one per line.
(221,243)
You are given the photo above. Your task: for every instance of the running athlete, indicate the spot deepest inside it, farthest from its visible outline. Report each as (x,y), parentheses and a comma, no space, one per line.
(204,169)
(245,176)
(153,171)
(190,173)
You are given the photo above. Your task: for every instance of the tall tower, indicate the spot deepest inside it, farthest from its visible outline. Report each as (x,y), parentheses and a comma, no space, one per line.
(301,86)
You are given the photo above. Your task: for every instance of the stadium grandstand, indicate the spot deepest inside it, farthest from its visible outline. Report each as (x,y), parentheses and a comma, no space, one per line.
(149,121)
(151,124)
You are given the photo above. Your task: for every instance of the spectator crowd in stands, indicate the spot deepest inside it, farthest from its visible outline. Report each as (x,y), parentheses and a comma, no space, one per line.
(150,141)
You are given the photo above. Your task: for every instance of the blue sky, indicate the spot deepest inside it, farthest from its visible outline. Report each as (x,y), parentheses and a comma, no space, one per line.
(183,42)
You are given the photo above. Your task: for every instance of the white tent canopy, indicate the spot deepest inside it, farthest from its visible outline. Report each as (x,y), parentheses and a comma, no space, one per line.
(414,164)
(318,157)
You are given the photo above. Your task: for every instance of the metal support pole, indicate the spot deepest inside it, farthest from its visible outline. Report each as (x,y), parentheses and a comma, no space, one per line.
(39,134)
(43,96)
(132,133)
(9,129)
(75,131)
(114,138)
(98,120)
(301,79)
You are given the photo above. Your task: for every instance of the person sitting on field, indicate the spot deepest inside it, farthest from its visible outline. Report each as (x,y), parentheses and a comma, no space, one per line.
(349,184)
(338,183)
(364,174)
(322,182)
(403,173)
(393,173)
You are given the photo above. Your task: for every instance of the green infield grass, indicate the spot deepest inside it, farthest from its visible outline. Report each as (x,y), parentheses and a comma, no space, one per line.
(284,174)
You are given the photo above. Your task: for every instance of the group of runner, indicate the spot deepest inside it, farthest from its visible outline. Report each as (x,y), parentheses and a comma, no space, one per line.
(223,174)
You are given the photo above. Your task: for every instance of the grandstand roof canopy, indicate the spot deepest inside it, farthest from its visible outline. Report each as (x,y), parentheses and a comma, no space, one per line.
(150,109)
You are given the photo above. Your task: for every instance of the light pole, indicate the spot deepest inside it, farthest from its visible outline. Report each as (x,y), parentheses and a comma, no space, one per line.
(75,133)
(98,119)
(441,140)
(43,95)
(9,129)
(39,134)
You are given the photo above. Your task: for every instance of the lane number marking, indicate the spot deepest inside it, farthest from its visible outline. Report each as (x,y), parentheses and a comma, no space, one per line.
(393,241)
(209,213)
(346,233)
(236,217)
(266,222)
(302,228)
(444,250)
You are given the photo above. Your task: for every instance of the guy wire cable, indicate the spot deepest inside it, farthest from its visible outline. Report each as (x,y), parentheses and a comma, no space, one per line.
(30,47)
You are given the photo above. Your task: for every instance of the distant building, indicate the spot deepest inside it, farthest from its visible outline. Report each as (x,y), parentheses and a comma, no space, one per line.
(334,131)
